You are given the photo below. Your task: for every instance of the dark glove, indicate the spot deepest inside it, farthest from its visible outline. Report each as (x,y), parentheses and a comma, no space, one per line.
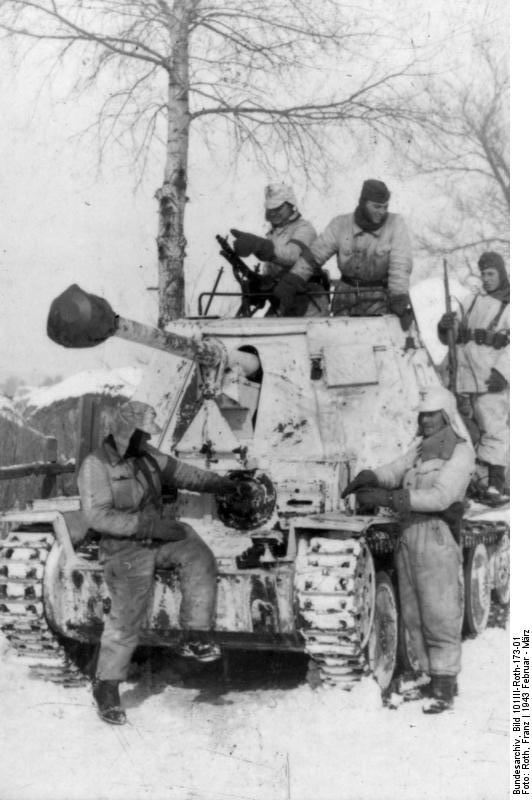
(400,306)
(366,478)
(496,382)
(223,485)
(447,321)
(151,526)
(284,294)
(500,339)
(398,499)
(247,243)
(371,498)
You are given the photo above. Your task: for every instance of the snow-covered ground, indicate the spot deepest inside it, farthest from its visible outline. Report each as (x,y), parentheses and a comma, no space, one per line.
(210,740)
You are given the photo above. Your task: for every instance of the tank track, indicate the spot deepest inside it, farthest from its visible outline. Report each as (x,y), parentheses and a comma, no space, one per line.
(22,619)
(334,583)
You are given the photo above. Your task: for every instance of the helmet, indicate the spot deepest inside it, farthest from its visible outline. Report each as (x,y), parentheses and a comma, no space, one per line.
(438,398)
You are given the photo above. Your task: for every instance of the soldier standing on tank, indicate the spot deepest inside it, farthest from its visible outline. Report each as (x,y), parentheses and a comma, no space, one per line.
(288,236)
(482,329)
(121,487)
(427,488)
(373,254)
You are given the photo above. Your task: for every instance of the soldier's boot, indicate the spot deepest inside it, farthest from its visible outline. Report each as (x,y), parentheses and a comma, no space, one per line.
(108,702)
(413,685)
(442,693)
(496,491)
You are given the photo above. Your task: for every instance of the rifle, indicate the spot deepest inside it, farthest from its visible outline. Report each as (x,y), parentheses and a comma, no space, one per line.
(256,289)
(451,333)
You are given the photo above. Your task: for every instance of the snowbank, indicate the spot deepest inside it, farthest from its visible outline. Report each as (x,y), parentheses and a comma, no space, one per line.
(221,743)
(122,381)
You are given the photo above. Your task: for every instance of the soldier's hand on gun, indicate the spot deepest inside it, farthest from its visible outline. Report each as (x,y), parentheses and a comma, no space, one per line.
(365,478)
(246,244)
(447,321)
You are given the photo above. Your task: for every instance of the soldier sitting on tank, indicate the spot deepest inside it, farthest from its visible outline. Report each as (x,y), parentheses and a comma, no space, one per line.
(373,255)
(427,487)
(121,497)
(288,236)
(482,329)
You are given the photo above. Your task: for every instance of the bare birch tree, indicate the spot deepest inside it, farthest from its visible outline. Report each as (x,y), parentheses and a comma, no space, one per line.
(244,68)
(462,147)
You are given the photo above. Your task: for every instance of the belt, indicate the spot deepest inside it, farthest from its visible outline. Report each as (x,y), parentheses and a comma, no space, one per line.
(484,336)
(357,283)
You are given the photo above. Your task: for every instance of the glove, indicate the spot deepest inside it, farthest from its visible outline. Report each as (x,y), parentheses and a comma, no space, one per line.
(223,485)
(247,243)
(371,498)
(244,243)
(398,499)
(366,478)
(496,382)
(447,321)
(400,306)
(284,294)
(151,526)
(500,339)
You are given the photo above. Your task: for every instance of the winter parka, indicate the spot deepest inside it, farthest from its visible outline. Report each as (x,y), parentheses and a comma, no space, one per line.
(475,361)
(113,489)
(428,559)
(286,251)
(383,255)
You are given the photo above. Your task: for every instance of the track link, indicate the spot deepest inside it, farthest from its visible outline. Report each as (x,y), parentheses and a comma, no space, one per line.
(335,586)
(22,619)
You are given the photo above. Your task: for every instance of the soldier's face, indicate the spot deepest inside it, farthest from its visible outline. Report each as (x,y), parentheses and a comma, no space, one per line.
(490,279)
(279,216)
(376,211)
(431,422)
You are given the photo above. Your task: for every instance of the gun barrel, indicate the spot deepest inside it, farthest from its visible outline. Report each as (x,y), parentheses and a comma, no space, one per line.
(78,319)
(155,337)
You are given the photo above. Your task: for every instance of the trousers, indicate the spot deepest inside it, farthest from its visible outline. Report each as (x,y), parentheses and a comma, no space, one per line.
(490,411)
(431,592)
(129,574)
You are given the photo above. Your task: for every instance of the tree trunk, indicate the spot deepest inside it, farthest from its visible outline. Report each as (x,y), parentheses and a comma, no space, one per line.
(172,196)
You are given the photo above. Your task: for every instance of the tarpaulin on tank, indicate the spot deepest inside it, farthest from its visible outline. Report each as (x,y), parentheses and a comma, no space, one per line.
(79,319)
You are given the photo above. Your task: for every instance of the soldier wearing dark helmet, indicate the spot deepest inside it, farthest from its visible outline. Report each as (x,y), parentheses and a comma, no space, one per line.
(482,328)
(373,254)
(121,486)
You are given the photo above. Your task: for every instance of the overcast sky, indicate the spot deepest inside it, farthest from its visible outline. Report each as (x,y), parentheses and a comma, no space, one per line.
(62,222)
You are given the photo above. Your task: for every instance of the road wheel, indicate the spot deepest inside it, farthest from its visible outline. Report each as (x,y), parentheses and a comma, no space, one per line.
(501,571)
(382,644)
(477,589)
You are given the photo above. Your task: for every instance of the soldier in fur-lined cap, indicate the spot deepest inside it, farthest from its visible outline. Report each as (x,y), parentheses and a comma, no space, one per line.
(482,328)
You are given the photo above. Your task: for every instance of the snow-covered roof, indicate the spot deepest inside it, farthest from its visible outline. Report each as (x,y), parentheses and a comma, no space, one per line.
(9,412)
(112,382)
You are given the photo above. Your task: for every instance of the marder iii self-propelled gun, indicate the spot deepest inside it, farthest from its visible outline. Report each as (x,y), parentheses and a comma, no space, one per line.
(291,408)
